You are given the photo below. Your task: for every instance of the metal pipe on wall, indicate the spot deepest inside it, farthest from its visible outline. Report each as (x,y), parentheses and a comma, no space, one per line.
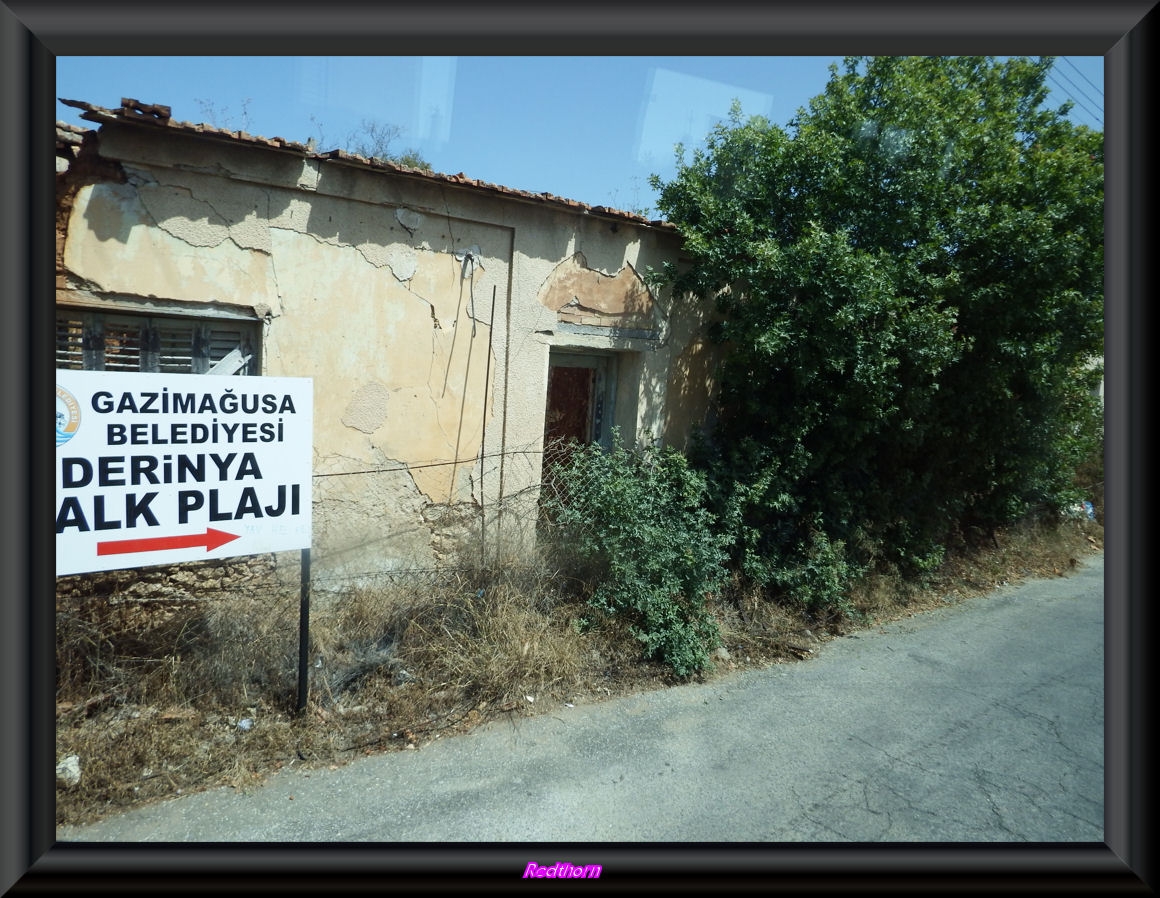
(483,438)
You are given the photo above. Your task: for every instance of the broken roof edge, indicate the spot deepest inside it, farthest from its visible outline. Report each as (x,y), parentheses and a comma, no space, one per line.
(134,112)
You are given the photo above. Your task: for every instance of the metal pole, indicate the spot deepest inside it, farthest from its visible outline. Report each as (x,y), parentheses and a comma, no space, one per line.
(304,633)
(483,441)
(507,367)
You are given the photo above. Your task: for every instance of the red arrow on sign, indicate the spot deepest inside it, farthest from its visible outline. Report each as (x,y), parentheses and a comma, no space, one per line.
(211,539)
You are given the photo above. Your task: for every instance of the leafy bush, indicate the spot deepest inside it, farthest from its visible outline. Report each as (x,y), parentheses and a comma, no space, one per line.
(639,521)
(819,576)
(908,282)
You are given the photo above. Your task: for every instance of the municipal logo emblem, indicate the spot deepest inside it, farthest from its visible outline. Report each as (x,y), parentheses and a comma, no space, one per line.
(68,415)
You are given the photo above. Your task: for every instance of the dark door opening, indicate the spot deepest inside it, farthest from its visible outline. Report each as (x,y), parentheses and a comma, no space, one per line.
(570,401)
(576,407)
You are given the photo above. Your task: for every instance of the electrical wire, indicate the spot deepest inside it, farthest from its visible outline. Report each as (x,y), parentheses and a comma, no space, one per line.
(1082,75)
(1096,116)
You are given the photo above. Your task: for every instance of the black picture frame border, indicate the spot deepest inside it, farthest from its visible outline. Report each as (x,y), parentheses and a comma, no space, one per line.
(33,33)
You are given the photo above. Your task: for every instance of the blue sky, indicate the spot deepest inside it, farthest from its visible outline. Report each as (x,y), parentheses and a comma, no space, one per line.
(587,128)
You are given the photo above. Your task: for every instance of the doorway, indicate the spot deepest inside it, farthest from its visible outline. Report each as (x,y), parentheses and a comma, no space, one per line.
(579,405)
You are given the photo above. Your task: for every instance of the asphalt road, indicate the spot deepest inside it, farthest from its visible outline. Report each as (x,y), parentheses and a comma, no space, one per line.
(979,722)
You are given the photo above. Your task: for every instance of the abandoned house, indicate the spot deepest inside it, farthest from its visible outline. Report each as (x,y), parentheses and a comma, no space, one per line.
(452,328)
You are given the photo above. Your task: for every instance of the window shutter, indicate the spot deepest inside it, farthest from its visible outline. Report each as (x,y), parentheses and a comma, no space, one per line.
(119,342)
(122,344)
(70,342)
(224,341)
(175,345)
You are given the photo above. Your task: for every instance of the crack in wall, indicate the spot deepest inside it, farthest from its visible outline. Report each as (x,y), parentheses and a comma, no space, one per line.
(206,216)
(154,194)
(413,502)
(402,269)
(277,285)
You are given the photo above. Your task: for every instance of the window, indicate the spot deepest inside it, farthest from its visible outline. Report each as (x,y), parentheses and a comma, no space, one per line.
(108,341)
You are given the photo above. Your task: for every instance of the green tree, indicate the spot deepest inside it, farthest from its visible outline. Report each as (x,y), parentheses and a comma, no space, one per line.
(909,284)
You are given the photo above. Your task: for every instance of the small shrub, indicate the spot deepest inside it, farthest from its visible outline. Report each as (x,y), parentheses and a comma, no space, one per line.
(636,522)
(820,579)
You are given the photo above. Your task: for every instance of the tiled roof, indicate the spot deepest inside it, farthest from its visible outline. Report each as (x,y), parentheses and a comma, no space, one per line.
(151,115)
(66,133)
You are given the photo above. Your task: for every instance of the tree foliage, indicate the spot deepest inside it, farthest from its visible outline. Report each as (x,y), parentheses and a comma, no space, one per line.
(909,286)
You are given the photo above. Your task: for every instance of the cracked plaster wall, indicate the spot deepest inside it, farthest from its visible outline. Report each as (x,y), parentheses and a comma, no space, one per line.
(357,276)
(580,295)
(585,275)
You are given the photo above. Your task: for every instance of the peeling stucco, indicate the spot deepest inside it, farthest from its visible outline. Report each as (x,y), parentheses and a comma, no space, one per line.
(194,209)
(308,177)
(409,219)
(181,215)
(367,409)
(402,261)
(124,248)
(579,294)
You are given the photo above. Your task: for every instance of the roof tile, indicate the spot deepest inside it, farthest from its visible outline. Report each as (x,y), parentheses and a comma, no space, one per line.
(151,115)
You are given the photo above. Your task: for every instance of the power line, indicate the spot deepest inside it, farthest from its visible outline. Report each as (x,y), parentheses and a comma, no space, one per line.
(1095,115)
(1082,75)
(1097,103)
(1080,103)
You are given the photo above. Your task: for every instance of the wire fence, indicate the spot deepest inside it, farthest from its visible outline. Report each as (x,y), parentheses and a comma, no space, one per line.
(124,627)
(484,517)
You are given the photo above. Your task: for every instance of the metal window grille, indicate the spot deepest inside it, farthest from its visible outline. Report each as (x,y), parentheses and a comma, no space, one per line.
(98,341)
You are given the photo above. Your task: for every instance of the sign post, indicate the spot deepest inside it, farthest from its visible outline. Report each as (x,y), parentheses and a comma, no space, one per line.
(304,634)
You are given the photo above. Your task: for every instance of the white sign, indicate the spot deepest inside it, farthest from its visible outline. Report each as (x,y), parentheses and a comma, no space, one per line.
(167,468)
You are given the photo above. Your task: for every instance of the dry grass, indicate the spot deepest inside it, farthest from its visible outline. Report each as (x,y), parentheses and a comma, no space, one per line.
(160,698)
(485,638)
(156,698)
